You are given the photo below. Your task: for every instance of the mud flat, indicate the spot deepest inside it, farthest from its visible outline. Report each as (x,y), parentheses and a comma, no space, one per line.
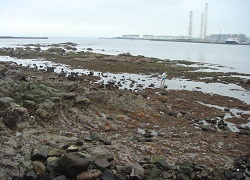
(93,116)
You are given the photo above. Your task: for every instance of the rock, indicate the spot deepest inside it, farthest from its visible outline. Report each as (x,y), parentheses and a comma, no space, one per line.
(39,153)
(186,169)
(167,175)
(39,167)
(154,173)
(218,174)
(5,102)
(72,164)
(82,100)
(102,164)
(162,164)
(62,177)
(89,175)
(11,122)
(138,171)
(229,174)
(30,175)
(239,175)
(73,148)
(55,152)
(182,176)
(105,141)
(204,173)
(45,110)
(108,175)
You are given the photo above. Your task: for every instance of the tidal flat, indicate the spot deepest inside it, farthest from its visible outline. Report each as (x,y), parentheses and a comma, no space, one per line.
(59,104)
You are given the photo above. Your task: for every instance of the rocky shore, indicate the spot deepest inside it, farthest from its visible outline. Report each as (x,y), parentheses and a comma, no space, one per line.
(67,126)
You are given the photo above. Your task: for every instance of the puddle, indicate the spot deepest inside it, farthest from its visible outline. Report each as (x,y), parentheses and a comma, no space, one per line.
(136,82)
(232,113)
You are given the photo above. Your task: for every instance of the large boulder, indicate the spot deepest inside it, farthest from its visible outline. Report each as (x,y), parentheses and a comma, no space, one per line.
(72,164)
(45,110)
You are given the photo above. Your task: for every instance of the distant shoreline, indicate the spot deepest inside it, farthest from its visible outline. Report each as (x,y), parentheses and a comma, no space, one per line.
(21,37)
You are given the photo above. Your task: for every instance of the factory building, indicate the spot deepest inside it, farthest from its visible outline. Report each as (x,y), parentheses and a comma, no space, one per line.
(131,36)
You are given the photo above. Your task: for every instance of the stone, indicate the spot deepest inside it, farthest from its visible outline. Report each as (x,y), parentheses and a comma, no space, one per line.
(10,121)
(45,110)
(72,164)
(62,177)
(39,167)
(82,100)
(73,148)
(218,174)
(89,175)
(239,175)
(31,175)
(154,173)
(5,102)
(162,164)
(182,176)
(186,169)
(39,153)
(204,173)
(167,175)
(138,171)
(102,164)
(108,175)
(55,152)
(229,174)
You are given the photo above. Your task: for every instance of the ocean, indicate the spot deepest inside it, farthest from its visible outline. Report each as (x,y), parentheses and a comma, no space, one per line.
(226,58)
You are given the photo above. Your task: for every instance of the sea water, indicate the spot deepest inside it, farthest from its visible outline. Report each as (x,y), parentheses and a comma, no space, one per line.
(227,58)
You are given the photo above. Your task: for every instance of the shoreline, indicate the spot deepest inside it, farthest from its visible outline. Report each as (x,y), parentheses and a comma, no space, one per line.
(22,37)
(186,41)
(156,132)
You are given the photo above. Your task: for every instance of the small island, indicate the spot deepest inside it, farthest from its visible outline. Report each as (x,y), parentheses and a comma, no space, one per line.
(22,37)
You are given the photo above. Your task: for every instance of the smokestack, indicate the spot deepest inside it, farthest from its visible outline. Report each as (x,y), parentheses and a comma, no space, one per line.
(190,24)
(201,28)
(205,27)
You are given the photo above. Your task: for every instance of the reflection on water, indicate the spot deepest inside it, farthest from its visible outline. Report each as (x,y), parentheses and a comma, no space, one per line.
(138,81)
(233,56)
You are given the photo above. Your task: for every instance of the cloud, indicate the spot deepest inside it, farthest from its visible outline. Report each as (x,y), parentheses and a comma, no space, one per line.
(117,17)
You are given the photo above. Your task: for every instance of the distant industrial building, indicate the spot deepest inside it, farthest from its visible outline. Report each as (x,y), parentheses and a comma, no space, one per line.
(131,36)
(148,37)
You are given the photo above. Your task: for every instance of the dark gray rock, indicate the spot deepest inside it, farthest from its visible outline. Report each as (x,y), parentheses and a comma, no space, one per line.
(5,102)
(72,164)
(182,176)
(154,173)
(162,164)
(228,174)
(102,164)
(218,174)
(108,175)
(30,175)
(62,177)
(186,169)
(11,122)
(167,175)
(239,175)
(39,153)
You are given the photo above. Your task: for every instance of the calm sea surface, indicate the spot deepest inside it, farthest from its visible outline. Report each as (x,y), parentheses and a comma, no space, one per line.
(236,58)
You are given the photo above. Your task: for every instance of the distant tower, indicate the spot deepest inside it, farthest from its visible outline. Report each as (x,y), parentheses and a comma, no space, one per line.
(205,27)
(201,28)
(190,24)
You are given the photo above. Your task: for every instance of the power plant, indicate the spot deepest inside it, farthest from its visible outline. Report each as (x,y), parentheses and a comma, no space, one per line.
(203,25)
(203,36)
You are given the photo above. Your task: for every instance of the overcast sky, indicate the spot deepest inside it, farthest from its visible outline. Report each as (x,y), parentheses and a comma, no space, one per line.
(109,18)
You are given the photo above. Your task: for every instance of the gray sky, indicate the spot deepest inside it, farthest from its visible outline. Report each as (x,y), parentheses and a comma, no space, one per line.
(109,18)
